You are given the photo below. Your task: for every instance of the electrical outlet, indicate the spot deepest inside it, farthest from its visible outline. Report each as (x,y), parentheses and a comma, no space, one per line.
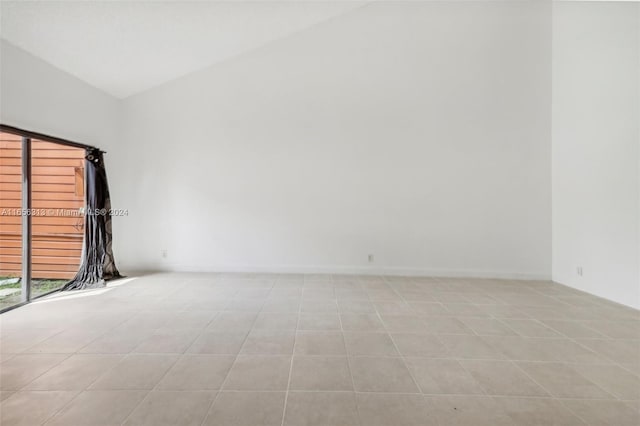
(370,258)
(579,271)
(164,253)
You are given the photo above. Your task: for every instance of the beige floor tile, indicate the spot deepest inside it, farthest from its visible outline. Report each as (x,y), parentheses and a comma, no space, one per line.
(403,323)
(356,306)
(565,350)
(538,412)
(197,372)
(620,351)
(481,299)
(383,295)
(218,343)
(616,329)
(488,326)
(269,342)
(319,306)
(373,344)
(352,294)
(233,321)
(247,408)
(470,347)
(418,296)
(248,305)
(562,381)
(501,311)
(98,408)
(276,321)
(23,338)
(318,293)
(381,375)
(522,348)
(531,328)
(317,322)
(23,368)
(5,356)
(75,373)
(420,345)
(632,368)
(464,310)
(442,376)
(282,305)
(549,313)
(603,412)
(320,373)
(467,411)
(502,378)
(146,320)
(428,308)
(446,325)
(167,341)
(190,319)
(392,308)
(319,343)
(135,372)
(285,292)
(377,409)
(361,322)
(120,341)
(612,379)
(573,329)
(253,293)
(447,298)
(251,372)
(321,408)
(634,405)
(171,409)
(68,341)
(30,408)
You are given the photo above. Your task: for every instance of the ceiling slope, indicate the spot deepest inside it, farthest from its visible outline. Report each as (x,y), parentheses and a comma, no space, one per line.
(127,47)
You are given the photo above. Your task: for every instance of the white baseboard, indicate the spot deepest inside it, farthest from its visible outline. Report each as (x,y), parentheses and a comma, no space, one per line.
(334,269)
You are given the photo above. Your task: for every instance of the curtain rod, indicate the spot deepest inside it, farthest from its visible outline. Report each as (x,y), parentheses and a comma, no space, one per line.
(47,138)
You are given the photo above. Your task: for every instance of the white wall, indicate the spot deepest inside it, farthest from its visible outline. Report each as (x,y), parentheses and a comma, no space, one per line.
(596,119)
(38,97)
(415,131)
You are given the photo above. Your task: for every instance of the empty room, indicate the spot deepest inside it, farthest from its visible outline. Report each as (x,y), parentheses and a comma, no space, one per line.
(326,212)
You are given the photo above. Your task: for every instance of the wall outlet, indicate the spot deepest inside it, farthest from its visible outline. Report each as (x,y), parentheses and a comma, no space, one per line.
(370,258)
(579,271)
(164,253)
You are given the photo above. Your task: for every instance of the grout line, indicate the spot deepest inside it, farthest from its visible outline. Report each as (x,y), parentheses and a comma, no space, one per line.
(348,357)
(293,352)
(404,361)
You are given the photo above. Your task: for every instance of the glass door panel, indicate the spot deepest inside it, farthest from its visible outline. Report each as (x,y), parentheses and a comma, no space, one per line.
(57,188)
(10,220)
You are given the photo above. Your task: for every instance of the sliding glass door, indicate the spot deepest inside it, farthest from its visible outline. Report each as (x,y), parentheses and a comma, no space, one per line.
(41,216)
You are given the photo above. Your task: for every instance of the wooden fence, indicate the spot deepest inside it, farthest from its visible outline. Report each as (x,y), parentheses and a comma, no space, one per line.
(57,197)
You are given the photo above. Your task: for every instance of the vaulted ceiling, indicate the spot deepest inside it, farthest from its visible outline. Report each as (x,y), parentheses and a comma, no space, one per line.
(126,47)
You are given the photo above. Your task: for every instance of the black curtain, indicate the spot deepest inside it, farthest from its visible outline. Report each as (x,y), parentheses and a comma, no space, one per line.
(97,265)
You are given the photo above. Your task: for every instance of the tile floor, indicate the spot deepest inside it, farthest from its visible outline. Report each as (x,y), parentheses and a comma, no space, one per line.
(258,349)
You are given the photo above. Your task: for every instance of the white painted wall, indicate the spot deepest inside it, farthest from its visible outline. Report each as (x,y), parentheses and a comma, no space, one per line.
(415,131)
(38,97)
(596,119)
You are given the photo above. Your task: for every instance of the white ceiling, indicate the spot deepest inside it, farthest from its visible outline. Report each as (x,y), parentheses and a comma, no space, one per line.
(125,47)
